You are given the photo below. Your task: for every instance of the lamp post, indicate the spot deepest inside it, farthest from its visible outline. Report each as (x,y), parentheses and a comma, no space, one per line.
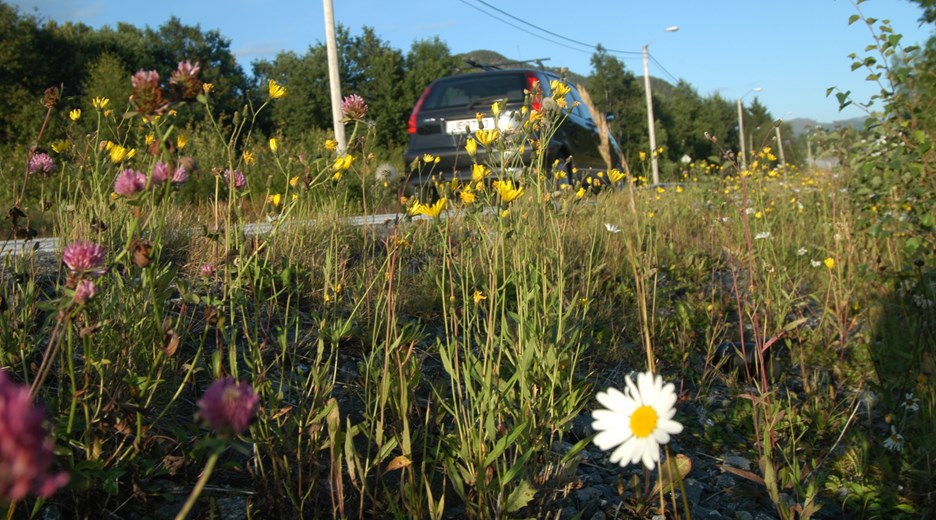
(655,167)
(741,127)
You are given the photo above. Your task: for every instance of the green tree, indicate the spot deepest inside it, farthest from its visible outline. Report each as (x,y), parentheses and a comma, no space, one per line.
(427,61)
(616,91)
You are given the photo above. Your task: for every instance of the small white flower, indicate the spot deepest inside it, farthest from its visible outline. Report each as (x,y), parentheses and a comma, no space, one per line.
(750,211)
(911,403)
(895,442)
(726,219)
(801,251)
(762,235)
(612,228)
(638,421)
(815,263)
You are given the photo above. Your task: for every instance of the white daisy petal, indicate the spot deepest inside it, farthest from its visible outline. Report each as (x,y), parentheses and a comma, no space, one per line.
(661,436)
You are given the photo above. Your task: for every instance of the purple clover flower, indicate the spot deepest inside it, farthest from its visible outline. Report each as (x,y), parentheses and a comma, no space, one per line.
(353,107)
(85,291)
(160,172)
(84,257)
(147,95)
(228,406)
(41,163)
(240,181)
(180,175)
(184,80)
(206,271)
(129,183)
(25,446)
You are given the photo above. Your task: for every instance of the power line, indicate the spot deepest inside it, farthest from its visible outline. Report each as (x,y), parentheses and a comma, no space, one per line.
(522,29)
(658,64)
(538,28)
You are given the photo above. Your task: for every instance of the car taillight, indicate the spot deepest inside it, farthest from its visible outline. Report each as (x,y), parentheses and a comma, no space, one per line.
(411,127)
(536,90)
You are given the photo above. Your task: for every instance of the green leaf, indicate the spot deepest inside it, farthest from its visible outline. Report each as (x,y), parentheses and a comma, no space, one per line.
(520,496)
(912,244)
(853,18)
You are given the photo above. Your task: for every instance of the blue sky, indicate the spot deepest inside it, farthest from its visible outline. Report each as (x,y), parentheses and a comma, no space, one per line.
(792,49)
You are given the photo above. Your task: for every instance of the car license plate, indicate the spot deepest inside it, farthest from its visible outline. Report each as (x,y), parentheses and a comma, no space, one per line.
(461,126)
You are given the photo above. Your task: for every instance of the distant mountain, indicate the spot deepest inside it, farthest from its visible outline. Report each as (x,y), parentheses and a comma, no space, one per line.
(801,125)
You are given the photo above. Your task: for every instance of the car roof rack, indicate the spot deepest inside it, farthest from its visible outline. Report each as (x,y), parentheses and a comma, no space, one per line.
(500,66)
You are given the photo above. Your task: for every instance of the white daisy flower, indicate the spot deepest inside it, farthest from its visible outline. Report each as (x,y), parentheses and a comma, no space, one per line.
(638,421)
(612,228)
(911,403)
(895,442)
(801,251)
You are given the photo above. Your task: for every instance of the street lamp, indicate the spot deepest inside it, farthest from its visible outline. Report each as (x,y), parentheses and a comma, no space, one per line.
(741,127)
(653,158)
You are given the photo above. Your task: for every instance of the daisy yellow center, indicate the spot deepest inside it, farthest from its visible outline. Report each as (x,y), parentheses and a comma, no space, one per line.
(643,421)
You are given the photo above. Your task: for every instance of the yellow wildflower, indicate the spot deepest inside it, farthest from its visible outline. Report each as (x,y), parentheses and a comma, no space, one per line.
(429,158)
(119,153)
(274,146)
(615,175)
(343,163)
(294,181)
(486,137)
(150,139)
(248,157)
(60,145)
(758,214)
(508,193)
(559,89)
(643,156)
(275,199)
(100,102)
(478,297)
(471,146)
(679,189)
(467,196)
(479,172)
(276,90)
(75,114)
(331,145)
(829,262)
(207,87)
(432,211)
(181,141)
(172,113)
(660,189)
(580,193)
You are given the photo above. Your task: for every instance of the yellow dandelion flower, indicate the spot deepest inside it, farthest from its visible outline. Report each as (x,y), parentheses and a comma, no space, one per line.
(331,145)
(274,146)
(580,193)
(119,153)
(486,137)
(181,141)
(60,145)
(759,214)
(467,196)
(471,146)
(615,175)
(432,211)
(100,102)
(275,199)
(660,189)
(559,89)
(643,156)
(343,163)
(479,172)
(679,189)
(248,157)
(478,297)
(150,139)
(829,262)
(207,87)
(276,90)
(172,113)
(294,181)
(429,158)
(75,114)
(507,191)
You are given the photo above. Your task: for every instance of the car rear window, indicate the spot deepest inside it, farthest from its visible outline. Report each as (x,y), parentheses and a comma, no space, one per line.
(463,91)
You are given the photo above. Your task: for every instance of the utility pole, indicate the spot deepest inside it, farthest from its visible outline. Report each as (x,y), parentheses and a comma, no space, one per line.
(780,149)
(655,165)
(334,79)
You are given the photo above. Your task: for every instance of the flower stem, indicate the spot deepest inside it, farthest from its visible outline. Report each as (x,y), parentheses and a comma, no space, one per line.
(200,485)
